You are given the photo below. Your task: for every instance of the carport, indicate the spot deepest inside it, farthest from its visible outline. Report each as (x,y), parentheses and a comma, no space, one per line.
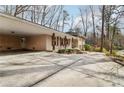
(16,33)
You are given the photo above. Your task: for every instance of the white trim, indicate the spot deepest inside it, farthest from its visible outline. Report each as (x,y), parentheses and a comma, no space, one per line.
(10,23)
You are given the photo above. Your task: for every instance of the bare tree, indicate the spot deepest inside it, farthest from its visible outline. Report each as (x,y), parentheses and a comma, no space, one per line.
(33,13)
(44,13)
(71,24)
(93,23)
(6,9)
(102,33)
(54,10)
(58,17)
(84,20)
(20,8)
(109,11)
(65,18)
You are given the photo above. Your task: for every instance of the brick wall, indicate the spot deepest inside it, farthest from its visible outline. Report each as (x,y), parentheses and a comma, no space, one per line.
(8,42)
(36,42)
(41,42)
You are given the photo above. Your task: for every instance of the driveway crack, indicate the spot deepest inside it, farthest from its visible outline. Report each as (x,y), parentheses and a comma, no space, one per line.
(63,67)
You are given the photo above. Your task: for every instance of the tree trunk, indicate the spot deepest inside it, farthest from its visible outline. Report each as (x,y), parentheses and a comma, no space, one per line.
(93,24)
(102,33)
(112,40)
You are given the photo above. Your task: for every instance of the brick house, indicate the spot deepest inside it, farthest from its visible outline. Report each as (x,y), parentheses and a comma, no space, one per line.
(17,34)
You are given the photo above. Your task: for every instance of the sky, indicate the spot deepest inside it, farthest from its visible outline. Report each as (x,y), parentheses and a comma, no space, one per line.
(73,10)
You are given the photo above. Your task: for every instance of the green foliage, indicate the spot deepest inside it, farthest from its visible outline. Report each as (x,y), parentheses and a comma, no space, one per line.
(107,53)
(88,47)
(61,51)
(114,53)
(118,57)
(104,50)
(69,51)
(97,49)
(121,58)
(118,48)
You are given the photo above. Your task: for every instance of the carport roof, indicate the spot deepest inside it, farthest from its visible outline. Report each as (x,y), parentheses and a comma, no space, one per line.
(17,26)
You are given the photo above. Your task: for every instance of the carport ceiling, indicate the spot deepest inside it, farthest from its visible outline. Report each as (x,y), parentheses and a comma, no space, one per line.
(15,26)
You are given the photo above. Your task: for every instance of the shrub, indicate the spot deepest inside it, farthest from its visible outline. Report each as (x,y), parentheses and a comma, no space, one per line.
(118,48)
(98,50)
(61,51)
(120,57)
(113,53)
(65,51)
(88,47)
(107,53)
(69,51)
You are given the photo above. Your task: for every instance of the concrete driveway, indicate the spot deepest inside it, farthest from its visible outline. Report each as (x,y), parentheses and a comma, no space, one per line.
(51,69)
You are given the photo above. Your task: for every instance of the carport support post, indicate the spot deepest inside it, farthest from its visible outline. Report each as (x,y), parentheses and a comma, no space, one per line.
(53,41)
(65,42)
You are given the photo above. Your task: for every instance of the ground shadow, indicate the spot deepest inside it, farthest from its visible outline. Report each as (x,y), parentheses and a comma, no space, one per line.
(17,52)
(28,70)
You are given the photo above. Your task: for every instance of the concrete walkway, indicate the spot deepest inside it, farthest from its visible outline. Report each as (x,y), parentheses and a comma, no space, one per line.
(52,69)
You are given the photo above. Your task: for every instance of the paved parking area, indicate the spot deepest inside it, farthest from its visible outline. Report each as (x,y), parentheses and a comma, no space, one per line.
(51,69)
